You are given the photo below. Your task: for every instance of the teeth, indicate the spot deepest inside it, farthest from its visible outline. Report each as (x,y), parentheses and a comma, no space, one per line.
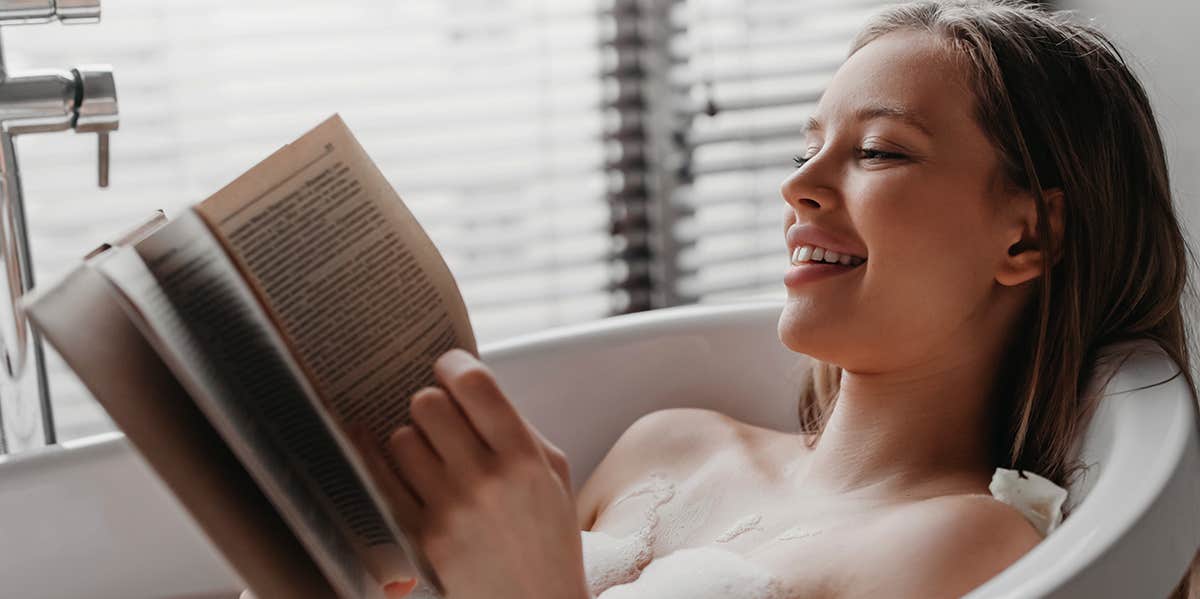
(809,253)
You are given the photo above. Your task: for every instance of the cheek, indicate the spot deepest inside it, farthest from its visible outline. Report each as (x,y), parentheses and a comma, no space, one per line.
(929,266)
(914,218)
(926,274)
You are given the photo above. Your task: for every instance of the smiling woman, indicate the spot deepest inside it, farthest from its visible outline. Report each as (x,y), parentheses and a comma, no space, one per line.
(996,179)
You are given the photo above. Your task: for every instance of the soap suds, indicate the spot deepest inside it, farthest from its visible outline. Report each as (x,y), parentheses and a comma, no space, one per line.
(700,573)
(625,568)
(797,532)
(744,525)
(609,560)
(680,528)
(661,491)
(658,485)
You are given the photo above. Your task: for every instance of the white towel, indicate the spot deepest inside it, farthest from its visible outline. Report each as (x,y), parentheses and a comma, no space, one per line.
(1037,497)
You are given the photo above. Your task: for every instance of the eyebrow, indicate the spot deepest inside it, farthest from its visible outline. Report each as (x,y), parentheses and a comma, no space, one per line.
(878,111)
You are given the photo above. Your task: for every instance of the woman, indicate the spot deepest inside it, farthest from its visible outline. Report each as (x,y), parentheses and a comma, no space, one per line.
(997,177)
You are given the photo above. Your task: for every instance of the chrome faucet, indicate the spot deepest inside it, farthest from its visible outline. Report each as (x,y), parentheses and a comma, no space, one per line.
(84,99)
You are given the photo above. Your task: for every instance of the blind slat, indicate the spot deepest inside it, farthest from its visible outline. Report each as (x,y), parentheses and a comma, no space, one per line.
(487,121)
(764,64)
(521,134)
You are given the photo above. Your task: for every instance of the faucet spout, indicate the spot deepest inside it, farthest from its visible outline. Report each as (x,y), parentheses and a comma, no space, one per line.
(83,99)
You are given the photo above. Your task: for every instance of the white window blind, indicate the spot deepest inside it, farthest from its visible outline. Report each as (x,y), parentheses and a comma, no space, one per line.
(762,65)
(484,115)
(563,155)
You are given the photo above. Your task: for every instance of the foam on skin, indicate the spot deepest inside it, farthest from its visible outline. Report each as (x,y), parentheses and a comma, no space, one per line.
(625,567)
(700,573)
(746,524)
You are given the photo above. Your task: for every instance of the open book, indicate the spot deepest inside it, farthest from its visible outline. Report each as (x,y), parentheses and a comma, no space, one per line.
(237,344)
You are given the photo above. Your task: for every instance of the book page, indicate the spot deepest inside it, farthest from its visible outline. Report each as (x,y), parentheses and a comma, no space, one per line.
(357,288)
(143,397)
(211,332)
(142,230)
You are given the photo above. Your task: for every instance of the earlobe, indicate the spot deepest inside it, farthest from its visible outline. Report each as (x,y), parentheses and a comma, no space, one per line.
(1020,267)
(1023,260)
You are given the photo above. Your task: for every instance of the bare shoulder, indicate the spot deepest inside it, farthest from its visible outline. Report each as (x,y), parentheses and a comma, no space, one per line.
(941,547)
(675,438)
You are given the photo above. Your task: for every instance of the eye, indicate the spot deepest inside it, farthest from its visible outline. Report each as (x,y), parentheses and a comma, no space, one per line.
(801,160)
(872,154)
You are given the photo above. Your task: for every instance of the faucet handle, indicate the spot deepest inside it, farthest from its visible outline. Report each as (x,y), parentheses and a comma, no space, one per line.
(24,12)
(103,140)
(72,12)
(96,109)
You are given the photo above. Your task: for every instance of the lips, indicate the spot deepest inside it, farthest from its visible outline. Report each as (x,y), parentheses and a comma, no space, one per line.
(812,271)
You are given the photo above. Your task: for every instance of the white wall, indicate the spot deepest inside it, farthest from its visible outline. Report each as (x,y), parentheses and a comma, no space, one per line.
(1161,38)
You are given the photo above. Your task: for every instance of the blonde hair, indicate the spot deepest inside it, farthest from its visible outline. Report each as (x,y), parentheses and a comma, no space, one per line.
(1063,110)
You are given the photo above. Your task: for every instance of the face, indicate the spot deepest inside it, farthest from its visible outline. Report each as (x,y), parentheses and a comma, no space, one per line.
(895,165)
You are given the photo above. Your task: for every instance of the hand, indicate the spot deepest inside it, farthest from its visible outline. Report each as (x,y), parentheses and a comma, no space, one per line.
(481,493)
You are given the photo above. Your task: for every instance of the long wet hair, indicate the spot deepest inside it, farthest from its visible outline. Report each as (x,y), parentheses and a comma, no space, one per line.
(1063,110)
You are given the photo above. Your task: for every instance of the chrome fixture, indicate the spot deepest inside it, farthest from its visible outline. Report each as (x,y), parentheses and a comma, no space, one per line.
(84,99)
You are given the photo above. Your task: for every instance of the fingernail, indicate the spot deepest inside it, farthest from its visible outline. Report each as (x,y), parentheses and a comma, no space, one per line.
(450,356)
(395,434)
(463,356)
(399,588)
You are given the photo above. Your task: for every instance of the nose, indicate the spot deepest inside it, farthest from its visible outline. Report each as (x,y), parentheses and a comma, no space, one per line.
(808,188)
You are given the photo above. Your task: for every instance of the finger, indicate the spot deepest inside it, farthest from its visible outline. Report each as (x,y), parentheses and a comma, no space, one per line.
(246,594)
(419,465)
(449,432)
(555,457)
(406,507)
(472,385)
(399,589)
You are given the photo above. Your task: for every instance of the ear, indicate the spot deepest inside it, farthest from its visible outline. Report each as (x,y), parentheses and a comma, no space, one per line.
(1024,250)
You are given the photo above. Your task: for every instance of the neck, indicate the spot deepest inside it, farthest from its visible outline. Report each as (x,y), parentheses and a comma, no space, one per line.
(925,429)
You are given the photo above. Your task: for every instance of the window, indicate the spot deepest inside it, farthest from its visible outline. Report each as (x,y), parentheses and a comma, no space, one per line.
(559,153)
(756,71)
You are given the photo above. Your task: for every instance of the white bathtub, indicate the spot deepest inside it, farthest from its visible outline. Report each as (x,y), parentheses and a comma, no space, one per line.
(89,519)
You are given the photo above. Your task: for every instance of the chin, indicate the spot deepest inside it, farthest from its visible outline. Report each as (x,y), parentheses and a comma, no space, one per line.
(803,331)
(798,329)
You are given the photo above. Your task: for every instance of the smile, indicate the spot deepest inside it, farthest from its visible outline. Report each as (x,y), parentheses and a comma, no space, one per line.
(805,269)
(815,254)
